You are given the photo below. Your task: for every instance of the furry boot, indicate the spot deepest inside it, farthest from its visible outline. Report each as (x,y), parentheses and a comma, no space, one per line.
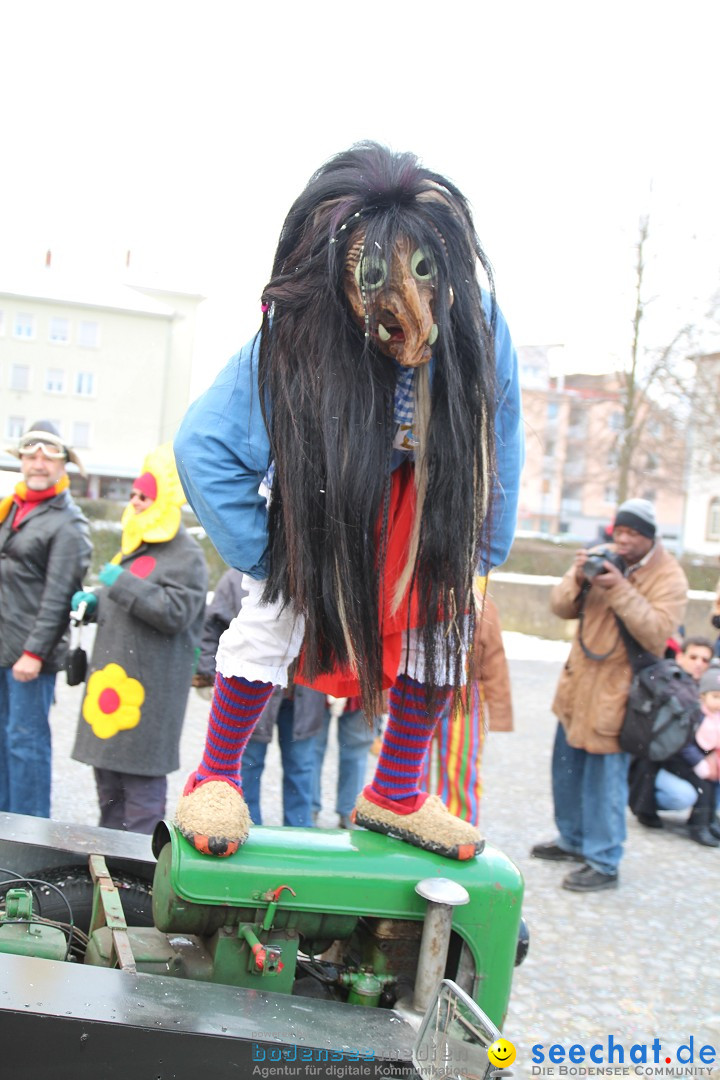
(423,821)
(213,816)
(392,804)
(212,813)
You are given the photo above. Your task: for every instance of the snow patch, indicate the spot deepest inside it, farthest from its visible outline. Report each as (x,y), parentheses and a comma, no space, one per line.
(526,647)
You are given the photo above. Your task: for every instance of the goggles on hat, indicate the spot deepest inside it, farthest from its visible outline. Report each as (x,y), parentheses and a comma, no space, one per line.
(49,446)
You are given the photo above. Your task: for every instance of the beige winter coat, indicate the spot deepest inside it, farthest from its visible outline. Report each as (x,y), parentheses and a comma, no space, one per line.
(490,667)
(591,695)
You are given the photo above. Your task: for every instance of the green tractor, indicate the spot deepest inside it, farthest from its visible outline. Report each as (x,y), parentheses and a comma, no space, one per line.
(308,952)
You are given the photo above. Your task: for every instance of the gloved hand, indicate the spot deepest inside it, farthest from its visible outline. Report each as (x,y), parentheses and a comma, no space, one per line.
(87,598)
(716,621)
(110,573)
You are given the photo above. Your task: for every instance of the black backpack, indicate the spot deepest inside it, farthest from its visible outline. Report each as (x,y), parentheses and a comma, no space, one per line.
(663,712)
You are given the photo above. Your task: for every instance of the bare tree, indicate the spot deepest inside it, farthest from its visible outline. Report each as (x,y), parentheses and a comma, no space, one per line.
(702,390)
(653,398)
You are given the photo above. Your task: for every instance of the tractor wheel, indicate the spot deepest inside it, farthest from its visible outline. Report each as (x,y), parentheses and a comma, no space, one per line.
(76,886)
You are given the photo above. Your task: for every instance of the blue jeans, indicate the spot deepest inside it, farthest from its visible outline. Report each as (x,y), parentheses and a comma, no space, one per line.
(590,792)
(25,748)
(674,793)
(355,737)
(298,765)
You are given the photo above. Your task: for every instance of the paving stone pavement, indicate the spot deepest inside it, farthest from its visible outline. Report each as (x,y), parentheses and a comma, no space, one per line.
(637,963)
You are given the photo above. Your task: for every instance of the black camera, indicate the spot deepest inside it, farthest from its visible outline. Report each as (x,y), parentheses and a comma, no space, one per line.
(595,563)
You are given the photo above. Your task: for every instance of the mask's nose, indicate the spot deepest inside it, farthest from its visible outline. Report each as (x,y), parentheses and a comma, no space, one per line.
(410,308)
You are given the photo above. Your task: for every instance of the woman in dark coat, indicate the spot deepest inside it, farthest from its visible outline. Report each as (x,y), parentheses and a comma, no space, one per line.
(149,620)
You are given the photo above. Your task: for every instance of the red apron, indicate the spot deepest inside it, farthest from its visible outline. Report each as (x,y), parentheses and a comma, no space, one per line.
(343,682)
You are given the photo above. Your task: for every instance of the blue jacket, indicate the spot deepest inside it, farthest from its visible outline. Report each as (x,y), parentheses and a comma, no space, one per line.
(223,453)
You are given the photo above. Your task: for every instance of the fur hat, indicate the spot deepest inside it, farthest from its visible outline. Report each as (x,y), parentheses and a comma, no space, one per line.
(637,514)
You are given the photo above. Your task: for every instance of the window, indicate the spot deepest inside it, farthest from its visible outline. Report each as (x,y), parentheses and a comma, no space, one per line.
(59,330)
(85,383)
(615,421)
(80,434)
(19,377)
(24,327)
(610,495)
(15,427)
(88,334)
(55,380)
(713,521)
(552,410)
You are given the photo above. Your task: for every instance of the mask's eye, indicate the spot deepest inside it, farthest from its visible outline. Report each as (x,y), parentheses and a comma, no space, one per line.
(371,272)
(422,266)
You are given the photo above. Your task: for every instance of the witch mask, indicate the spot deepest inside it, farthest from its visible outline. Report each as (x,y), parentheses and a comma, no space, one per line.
(392,295)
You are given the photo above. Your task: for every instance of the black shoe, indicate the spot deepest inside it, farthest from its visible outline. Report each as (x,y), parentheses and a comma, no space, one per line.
(701,834)
(554,853)
(650,821)
(714,828)
(589,880)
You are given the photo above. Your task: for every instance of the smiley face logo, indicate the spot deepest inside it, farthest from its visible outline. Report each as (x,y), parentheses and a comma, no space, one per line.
(501,1053)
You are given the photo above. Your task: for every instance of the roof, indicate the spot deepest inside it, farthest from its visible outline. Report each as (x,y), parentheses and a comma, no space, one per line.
(108,295)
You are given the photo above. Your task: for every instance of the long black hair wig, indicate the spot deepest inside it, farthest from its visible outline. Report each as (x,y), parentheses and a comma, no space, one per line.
(328,401)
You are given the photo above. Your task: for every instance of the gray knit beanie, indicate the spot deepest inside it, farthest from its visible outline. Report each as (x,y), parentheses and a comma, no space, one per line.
(638,514)
(710,680)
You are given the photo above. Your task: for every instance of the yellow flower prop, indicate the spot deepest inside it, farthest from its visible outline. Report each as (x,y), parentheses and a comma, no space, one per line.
(112,702)
(161,521)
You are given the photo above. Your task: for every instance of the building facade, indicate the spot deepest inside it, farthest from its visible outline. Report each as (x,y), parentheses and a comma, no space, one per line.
(109,365)
(573,427)
(702,506)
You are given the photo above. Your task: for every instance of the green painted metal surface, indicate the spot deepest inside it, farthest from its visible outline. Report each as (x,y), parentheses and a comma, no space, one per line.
(233,962)
(338,876)
(25,937)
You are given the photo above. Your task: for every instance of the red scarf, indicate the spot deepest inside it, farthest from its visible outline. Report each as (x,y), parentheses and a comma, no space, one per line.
(26,500)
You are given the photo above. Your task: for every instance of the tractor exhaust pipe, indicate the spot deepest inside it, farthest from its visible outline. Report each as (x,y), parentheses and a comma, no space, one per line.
(442,896)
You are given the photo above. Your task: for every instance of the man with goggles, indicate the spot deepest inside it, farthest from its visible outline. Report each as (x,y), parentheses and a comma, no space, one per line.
(44,553)
(43,443)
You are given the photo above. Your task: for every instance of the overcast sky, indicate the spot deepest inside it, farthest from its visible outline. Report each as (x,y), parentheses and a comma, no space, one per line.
(183,131)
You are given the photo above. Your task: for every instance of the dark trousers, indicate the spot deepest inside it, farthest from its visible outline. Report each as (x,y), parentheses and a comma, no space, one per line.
(641,779)
(128,802)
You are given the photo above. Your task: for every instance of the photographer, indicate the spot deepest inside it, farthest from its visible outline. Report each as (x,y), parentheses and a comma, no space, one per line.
(636,581)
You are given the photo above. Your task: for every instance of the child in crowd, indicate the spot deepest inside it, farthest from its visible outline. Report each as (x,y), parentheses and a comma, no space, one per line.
(699,762)
(149,613)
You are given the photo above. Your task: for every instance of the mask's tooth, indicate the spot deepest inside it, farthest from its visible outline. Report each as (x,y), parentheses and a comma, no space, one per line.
(383,334)
(433,335)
